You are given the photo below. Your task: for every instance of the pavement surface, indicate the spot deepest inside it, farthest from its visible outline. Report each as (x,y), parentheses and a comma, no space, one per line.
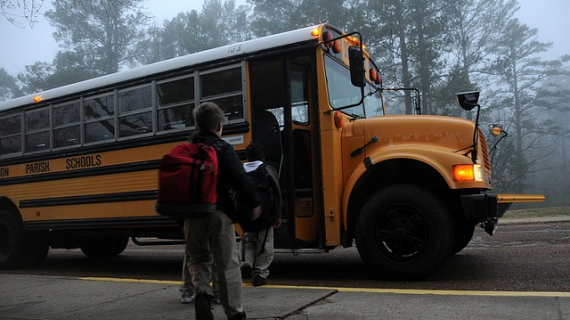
(65,298)
(30,297)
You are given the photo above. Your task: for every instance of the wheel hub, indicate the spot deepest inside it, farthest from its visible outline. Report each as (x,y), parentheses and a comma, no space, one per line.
(400,234)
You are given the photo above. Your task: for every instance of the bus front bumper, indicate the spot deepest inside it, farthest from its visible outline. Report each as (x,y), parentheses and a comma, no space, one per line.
(488,208)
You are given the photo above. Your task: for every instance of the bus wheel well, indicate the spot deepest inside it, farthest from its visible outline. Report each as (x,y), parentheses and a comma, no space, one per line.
(9,205)
(388,173)
(19,248)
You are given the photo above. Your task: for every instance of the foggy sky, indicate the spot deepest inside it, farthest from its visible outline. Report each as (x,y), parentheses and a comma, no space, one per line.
(23,45)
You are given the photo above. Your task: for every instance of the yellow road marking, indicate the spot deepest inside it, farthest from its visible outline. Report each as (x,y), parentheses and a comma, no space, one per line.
(368,290)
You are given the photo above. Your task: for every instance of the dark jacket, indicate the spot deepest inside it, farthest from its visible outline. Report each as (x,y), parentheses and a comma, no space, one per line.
(231,175)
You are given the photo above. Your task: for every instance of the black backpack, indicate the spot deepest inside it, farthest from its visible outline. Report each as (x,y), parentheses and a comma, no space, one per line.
(270,194)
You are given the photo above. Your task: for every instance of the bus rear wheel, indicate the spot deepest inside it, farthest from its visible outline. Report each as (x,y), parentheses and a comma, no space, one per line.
(104,247)
(20,248)
(405,233)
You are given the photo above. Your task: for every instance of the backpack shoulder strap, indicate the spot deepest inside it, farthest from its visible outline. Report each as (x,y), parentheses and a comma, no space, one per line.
(217,144)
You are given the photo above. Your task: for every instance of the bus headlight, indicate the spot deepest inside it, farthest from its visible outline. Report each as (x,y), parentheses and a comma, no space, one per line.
(467,172)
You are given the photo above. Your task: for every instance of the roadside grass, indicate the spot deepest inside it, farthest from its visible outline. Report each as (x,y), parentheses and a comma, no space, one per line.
(537,213)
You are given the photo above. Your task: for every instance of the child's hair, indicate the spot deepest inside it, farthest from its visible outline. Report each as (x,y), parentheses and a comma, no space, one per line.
(207,116)
(254,152)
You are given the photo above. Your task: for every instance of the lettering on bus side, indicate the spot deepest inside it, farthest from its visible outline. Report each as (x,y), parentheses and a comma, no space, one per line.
(4,172)
(83,162)
(37,167)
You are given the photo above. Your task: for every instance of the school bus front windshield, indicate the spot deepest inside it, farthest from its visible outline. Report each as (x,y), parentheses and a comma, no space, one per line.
(342,93)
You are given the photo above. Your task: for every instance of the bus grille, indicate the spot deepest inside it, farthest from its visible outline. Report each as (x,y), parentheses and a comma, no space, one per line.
(484,151)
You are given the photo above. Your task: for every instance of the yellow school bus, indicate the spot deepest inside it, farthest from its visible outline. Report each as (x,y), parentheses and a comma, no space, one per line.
(79,163)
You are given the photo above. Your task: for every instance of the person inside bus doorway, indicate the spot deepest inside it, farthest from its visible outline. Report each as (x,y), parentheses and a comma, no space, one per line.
(256,248)
(211,237)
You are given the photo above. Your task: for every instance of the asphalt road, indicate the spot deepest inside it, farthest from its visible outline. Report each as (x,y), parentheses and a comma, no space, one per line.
(520,257)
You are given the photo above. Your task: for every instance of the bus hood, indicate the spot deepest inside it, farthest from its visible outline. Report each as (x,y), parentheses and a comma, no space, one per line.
(453,133)
(438,141)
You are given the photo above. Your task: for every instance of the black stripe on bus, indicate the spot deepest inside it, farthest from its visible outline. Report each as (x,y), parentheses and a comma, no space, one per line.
(154,222)
(99,198)
(82,173)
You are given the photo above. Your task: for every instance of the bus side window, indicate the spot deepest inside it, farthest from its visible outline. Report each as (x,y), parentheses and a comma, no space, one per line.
(99,121)
(224,87)
(135,114)
(175,104)
(10,135)
(66,125)
(37,130)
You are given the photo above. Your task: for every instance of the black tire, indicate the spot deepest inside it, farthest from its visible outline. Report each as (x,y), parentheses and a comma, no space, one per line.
(38,248)
(405,233)
(20,248)
(463,235)
(104,247)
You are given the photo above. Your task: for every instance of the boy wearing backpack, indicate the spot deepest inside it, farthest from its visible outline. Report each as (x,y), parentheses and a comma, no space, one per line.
(211,236)
(257,246)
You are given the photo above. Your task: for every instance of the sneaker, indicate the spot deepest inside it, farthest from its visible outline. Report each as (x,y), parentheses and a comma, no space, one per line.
(259,281)
(238,316)
(187,297)
(203,307)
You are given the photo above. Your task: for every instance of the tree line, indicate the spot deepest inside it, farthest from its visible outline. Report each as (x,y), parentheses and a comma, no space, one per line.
(440,47)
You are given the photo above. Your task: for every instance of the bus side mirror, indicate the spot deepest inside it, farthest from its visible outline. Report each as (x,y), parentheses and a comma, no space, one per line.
(356,60)
(468,100)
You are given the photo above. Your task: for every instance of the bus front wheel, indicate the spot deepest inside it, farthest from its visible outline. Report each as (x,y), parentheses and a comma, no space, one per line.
(463,234)
(104,247)
(20,248)
(405,233)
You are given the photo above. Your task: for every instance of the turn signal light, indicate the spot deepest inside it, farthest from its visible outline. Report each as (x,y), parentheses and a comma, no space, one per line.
(373,74)
(338,121)
(496,129)
(327,39)
(467,172)
(336,46)
(378,79)
(37,98)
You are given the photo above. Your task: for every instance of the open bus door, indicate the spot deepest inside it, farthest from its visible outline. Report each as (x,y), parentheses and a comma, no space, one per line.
(283,123)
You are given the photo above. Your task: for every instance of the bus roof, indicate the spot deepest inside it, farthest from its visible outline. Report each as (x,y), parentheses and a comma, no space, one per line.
(237,49)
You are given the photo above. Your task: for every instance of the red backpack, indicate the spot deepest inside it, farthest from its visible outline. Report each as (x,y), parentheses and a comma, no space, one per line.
(187,181)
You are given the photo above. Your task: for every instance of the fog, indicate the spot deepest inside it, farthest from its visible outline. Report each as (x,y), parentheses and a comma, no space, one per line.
(29,44)
(26,42)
